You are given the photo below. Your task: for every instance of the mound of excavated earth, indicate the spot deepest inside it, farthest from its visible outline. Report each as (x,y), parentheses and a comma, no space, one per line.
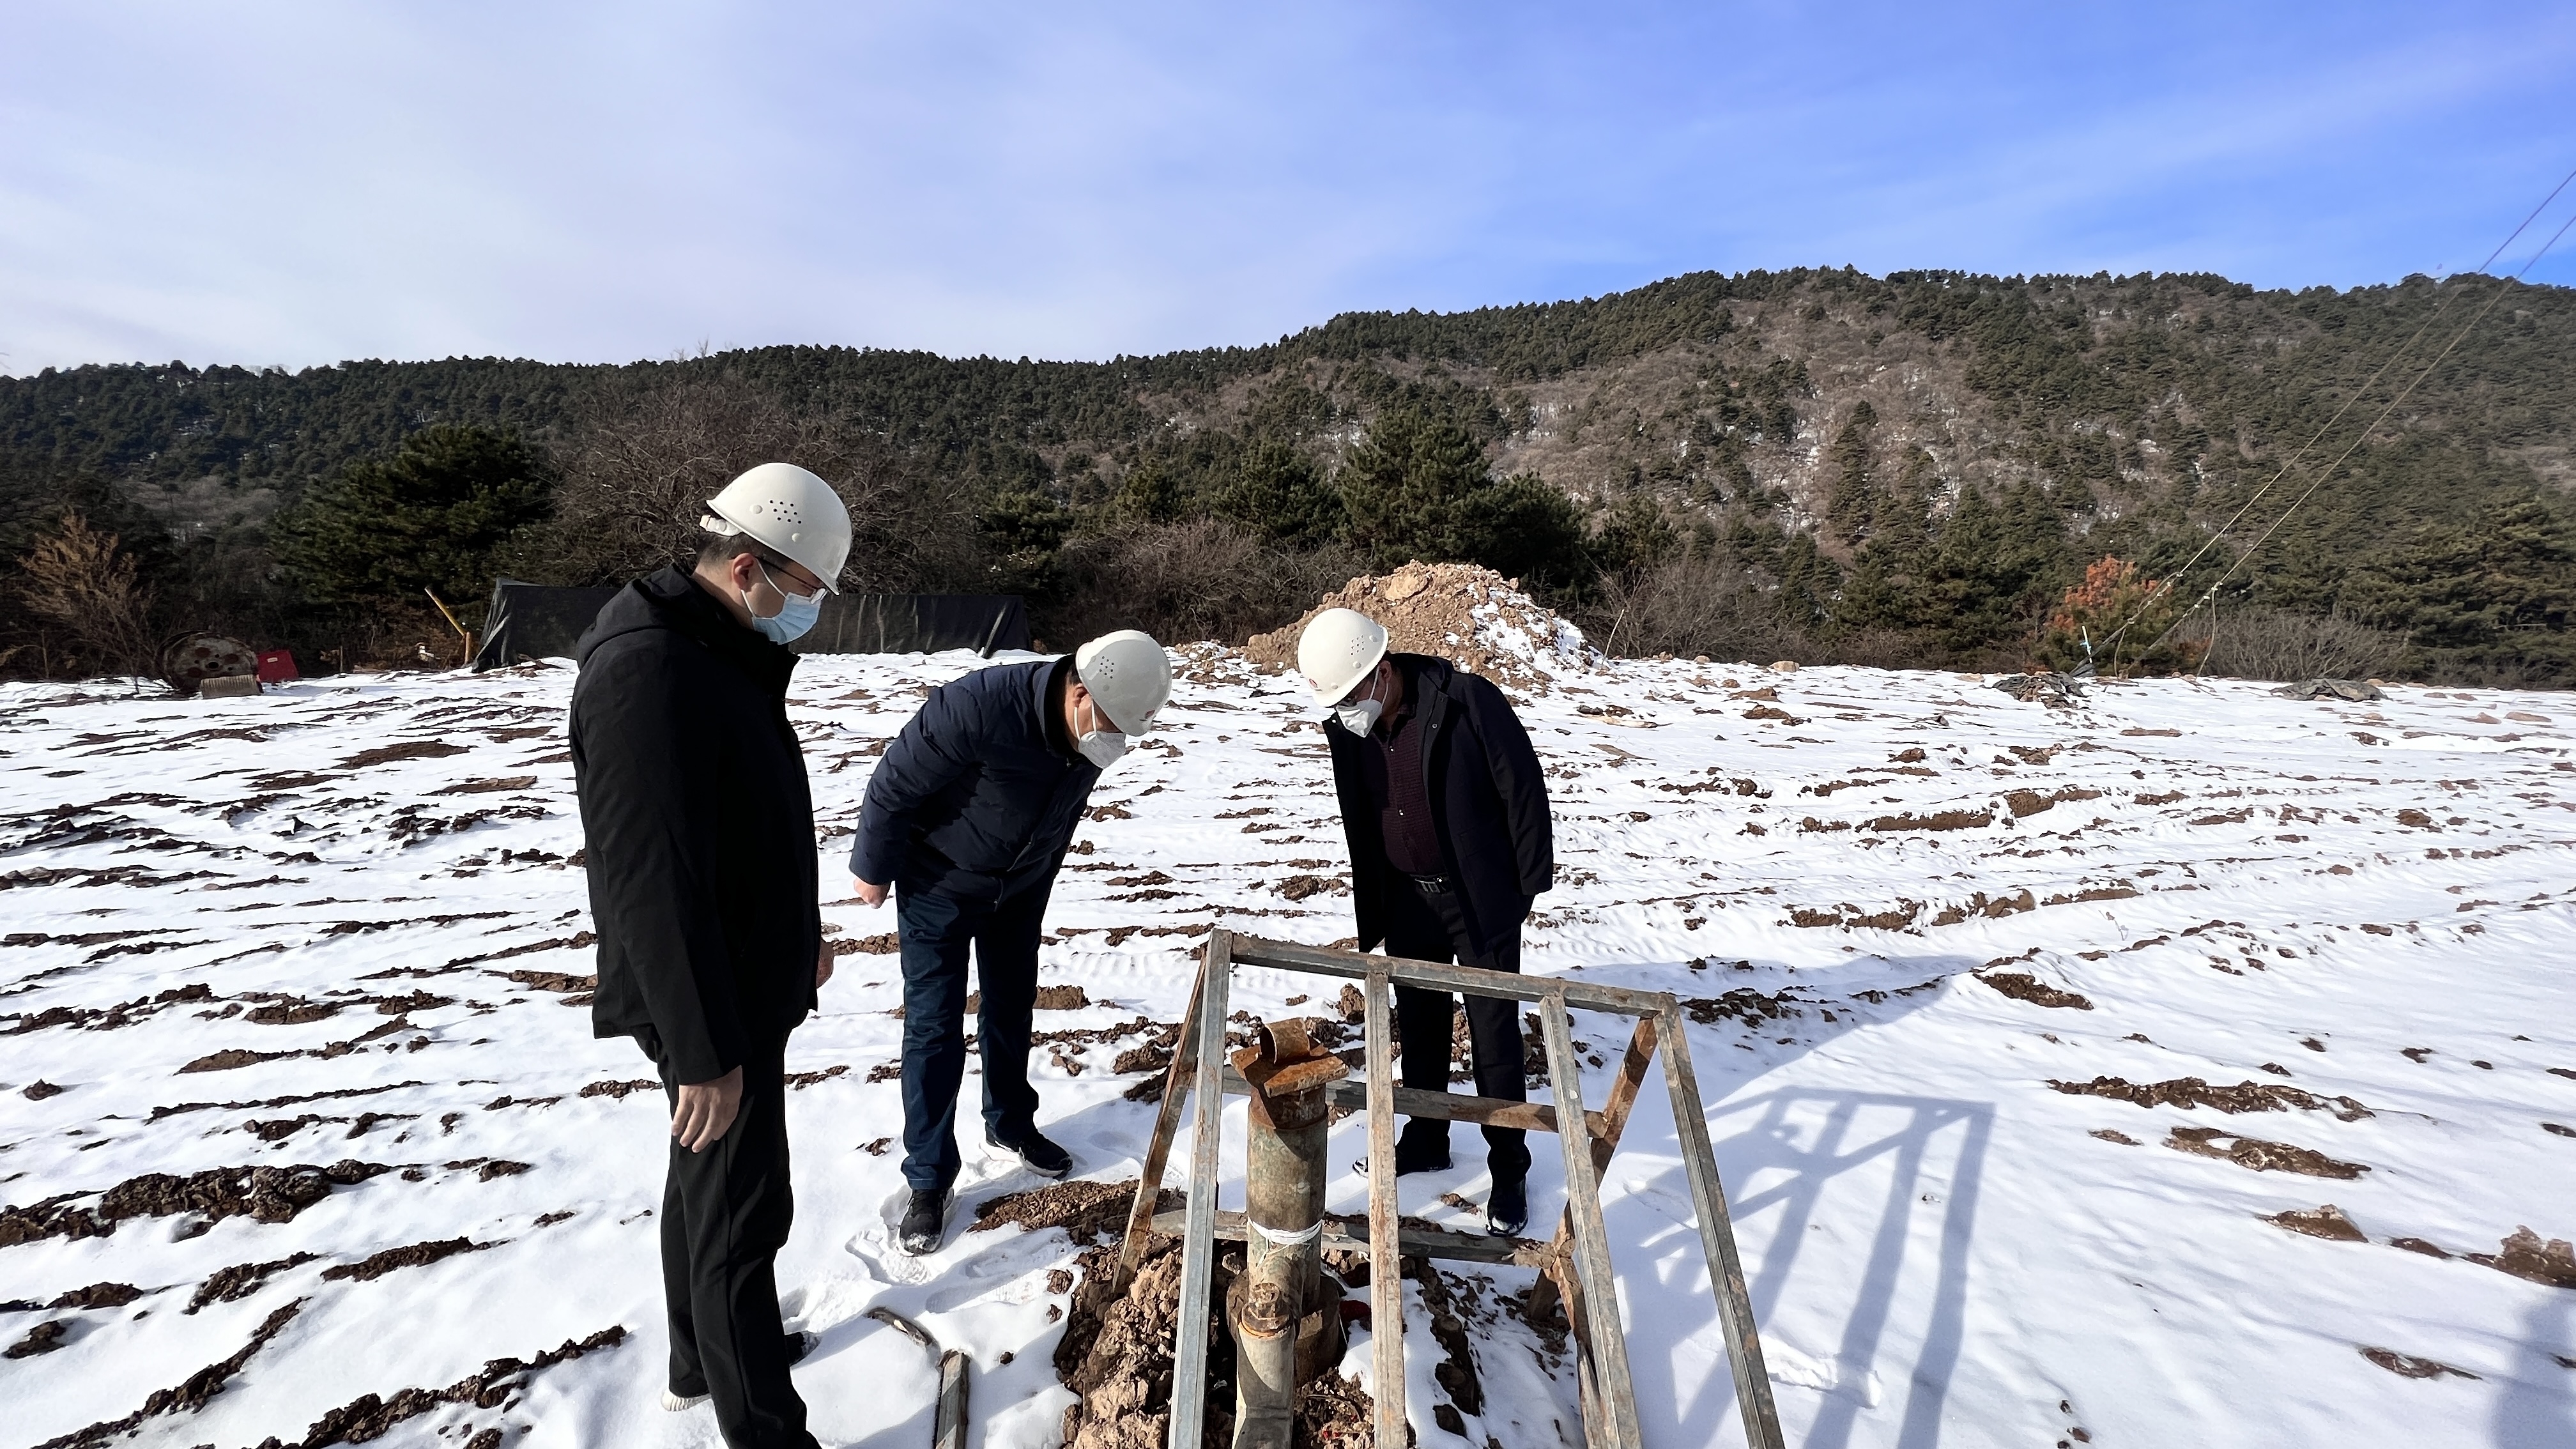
(1472,617)
(2180,1065)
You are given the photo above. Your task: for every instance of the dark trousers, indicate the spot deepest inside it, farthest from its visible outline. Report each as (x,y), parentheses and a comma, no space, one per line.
(725,1214)
(1431,926)
(937,929)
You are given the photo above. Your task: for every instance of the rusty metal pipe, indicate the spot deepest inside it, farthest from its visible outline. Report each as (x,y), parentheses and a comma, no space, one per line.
(1280,1286)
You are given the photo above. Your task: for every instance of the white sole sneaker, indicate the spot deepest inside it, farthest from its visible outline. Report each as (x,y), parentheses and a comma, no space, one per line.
(674,1403)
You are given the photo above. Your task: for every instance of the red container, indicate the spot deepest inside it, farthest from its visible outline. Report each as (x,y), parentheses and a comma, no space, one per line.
(276,666)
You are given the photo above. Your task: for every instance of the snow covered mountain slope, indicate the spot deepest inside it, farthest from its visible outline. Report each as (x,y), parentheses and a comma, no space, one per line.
(2022,1029)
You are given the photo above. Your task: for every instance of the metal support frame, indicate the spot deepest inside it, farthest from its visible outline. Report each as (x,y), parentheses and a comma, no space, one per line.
(1576,1263)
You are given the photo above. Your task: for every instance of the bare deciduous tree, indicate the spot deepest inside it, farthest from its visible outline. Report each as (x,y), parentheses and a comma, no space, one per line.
(643,463)
(79,580)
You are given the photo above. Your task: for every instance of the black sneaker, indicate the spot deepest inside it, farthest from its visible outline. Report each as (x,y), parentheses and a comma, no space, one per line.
(800,1343)
(1035,1153)
(1507,1207)
(925,1221)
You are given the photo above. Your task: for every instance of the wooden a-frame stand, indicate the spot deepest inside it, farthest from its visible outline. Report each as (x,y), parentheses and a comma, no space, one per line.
(1574,1265)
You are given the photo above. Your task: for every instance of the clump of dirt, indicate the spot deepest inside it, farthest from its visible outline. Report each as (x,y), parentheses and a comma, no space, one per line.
(1087,1211)
(1062,998)
(2326,1222)
(227,1060)
(2190,1092)
(1744,1004)
(2408,1367)
(241,1280)
(1298,887)
(43,1338)
(2031,989)
(2259,1155)
(415,1255)
(1472,617)
(39,1090)
(191,1393)
(2526,1256)
(620,1090)
(371,1416)
(1117,1356)
(98,1295)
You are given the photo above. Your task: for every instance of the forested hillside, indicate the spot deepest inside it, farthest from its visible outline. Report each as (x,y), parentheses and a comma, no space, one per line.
(1924,468)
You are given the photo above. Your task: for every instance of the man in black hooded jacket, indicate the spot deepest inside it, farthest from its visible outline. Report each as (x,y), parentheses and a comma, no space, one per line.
(700,854)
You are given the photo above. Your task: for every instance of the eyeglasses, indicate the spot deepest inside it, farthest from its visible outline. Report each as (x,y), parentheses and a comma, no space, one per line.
(794,585)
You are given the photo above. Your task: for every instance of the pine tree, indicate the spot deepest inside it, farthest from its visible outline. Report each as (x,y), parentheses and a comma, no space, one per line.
(1403,483)
(433,515)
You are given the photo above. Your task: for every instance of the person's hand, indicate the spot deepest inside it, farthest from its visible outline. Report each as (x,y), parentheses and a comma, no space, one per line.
(706,1111)
(869,892)
(822,965)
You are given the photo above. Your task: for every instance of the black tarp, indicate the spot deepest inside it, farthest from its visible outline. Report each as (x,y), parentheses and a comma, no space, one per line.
(538,621)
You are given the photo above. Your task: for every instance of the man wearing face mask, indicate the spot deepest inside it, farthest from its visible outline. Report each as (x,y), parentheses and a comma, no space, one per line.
(1446,811)
(699,841)
(966,821)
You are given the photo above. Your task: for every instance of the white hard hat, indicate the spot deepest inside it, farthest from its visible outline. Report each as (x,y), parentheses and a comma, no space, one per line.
(1129,676)
(787,509)
(1337,649)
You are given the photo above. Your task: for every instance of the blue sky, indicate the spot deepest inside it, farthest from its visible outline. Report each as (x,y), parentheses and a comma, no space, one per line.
(290,184)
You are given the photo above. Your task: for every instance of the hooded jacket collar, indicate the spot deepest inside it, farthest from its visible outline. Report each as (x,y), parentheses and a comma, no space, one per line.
(682,605)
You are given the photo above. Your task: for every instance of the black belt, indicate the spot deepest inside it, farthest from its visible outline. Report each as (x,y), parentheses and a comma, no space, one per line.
(1433,885)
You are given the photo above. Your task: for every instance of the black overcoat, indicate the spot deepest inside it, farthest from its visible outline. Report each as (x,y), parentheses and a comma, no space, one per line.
(1488,803)
(698,829)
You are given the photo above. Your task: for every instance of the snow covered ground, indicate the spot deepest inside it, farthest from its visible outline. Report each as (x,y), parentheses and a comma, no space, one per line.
(336,923)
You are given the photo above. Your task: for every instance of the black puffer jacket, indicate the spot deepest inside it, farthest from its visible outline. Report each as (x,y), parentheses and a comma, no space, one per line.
(1488,803)
(699,829)
(980,793)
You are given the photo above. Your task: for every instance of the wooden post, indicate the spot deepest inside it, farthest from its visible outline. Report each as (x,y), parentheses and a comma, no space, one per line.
(1158,1148)
(1198,1240)
(1386,1265)
(1591,1235)
(1614,1123)
(1717,1240)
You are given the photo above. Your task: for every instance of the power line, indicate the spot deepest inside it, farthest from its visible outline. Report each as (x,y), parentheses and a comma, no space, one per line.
(2165,586)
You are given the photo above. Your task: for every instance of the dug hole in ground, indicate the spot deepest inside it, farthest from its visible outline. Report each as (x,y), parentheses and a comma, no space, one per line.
(2182,1065)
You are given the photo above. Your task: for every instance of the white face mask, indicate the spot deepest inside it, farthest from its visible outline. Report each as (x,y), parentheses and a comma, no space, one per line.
(1360,716)
(1101,747)
(794,617)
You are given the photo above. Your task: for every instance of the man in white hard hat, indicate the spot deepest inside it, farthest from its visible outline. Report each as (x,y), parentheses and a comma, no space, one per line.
(699,840)
(966,821)
(1446,811)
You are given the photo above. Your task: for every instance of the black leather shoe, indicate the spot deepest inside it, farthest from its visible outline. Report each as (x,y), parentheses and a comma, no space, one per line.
(1507,1207)
(1035,1153)
(800,1343)
(925,1220)
(1412,1160)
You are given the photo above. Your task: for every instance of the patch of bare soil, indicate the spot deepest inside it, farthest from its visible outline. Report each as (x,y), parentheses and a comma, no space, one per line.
(1940,820)
(2259,1155)
(408,750)
(1472,617)
(885,945)
(241,1280)
(2031,989)
(232,1058)
(2526,1256)
(1089,1211)
(274,1102)
(268,1194)
(2190,1092)
(1744,1004)
(620,1090)
(191,1393)
(487,787)
(2326,1222)
(415,1255)
(98,1295)
(371,1416)
(2408,1367)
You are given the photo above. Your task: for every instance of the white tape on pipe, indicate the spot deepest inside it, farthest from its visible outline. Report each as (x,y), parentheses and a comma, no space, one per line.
(1288,1240)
